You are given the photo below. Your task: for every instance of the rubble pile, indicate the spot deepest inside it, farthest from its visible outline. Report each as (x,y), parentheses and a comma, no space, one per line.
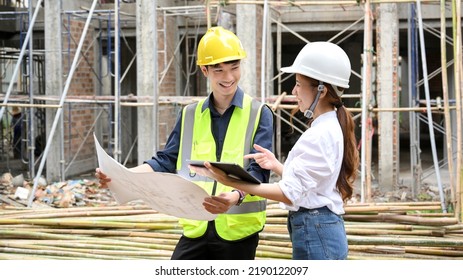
(71,193)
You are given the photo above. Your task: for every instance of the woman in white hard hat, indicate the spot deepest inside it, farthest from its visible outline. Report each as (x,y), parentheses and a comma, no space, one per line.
(318,175)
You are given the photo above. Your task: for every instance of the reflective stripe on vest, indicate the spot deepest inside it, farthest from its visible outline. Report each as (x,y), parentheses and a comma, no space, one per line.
(240,221)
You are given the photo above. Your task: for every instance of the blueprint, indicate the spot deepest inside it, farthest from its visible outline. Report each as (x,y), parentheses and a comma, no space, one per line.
(164,192)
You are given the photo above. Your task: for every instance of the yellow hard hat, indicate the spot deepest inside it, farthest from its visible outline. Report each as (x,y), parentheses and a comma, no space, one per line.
(219,45)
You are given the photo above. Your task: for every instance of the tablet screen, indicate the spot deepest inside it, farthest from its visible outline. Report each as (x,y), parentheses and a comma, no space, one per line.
(231,169)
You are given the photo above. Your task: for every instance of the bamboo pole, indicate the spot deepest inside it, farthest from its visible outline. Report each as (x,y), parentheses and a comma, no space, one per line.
(8,209)
(376,209)
(107,214)
(432,214)
(402,241)
(448,127)
(378,249)
(64,238)
(277,102)
(358,231)
(456,8)
(92,232)
(23,105)
(17,257)
(367,256)
(380,226)
(102,249)
(436,252)
(403,219)
(396,203)
(49,254)
(88,224)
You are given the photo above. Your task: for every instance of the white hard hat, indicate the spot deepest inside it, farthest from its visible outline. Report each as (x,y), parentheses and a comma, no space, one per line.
(322,61)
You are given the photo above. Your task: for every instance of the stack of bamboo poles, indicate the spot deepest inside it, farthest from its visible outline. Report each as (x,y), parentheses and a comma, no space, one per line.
(375,231)
(417,230)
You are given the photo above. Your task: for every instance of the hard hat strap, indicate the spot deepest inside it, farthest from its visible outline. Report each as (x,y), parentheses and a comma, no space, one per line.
(309,112)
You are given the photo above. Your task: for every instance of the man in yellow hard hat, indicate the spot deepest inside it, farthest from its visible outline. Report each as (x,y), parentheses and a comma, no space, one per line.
(222,127)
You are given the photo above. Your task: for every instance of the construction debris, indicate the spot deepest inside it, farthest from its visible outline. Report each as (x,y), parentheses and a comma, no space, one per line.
(71,193)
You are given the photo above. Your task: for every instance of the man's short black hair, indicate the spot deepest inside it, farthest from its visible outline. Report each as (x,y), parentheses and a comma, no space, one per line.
(226,62)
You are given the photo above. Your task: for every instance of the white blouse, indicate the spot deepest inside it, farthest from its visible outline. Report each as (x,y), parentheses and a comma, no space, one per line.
(312,168)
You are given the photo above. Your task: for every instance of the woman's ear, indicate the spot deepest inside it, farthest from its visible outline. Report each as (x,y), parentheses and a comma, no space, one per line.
(324,91)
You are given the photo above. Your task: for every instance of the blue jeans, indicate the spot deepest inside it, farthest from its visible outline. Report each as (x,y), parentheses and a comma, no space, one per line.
(317,234)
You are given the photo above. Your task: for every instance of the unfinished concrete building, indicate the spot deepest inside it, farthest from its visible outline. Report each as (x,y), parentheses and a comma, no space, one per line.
(75,68)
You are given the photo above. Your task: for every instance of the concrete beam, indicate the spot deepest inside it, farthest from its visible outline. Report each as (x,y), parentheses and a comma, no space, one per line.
(387,95)
(146,78)
(246,30)
(53,86)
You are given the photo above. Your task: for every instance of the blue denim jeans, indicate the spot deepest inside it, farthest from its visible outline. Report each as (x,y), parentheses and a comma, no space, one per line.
(317,234)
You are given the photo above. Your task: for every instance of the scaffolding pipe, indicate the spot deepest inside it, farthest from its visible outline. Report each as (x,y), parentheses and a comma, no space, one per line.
(29,105)
(345,29)
(263,59)
(412,99)
(117,85)
(208,14)
(428,105)
(89,133)
(278,77)
(155,118)
(167,66)
(31,127)
(290,31)
(445,92)
(435,72)
(21,55)
(365,167)
(130,151)
(60,109)
(456,19)
(128,67)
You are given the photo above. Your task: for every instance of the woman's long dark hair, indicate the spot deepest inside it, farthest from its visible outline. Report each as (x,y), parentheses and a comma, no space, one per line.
(350,160)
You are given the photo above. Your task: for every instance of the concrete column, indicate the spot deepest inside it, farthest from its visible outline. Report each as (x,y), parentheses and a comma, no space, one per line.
(53,85)
(147,78)
(246,30)
(388,95)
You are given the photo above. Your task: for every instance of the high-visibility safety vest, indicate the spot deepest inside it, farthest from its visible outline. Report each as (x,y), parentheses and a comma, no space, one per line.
(197,143)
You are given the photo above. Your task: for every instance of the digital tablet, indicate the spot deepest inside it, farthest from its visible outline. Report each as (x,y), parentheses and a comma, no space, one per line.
(231,169)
